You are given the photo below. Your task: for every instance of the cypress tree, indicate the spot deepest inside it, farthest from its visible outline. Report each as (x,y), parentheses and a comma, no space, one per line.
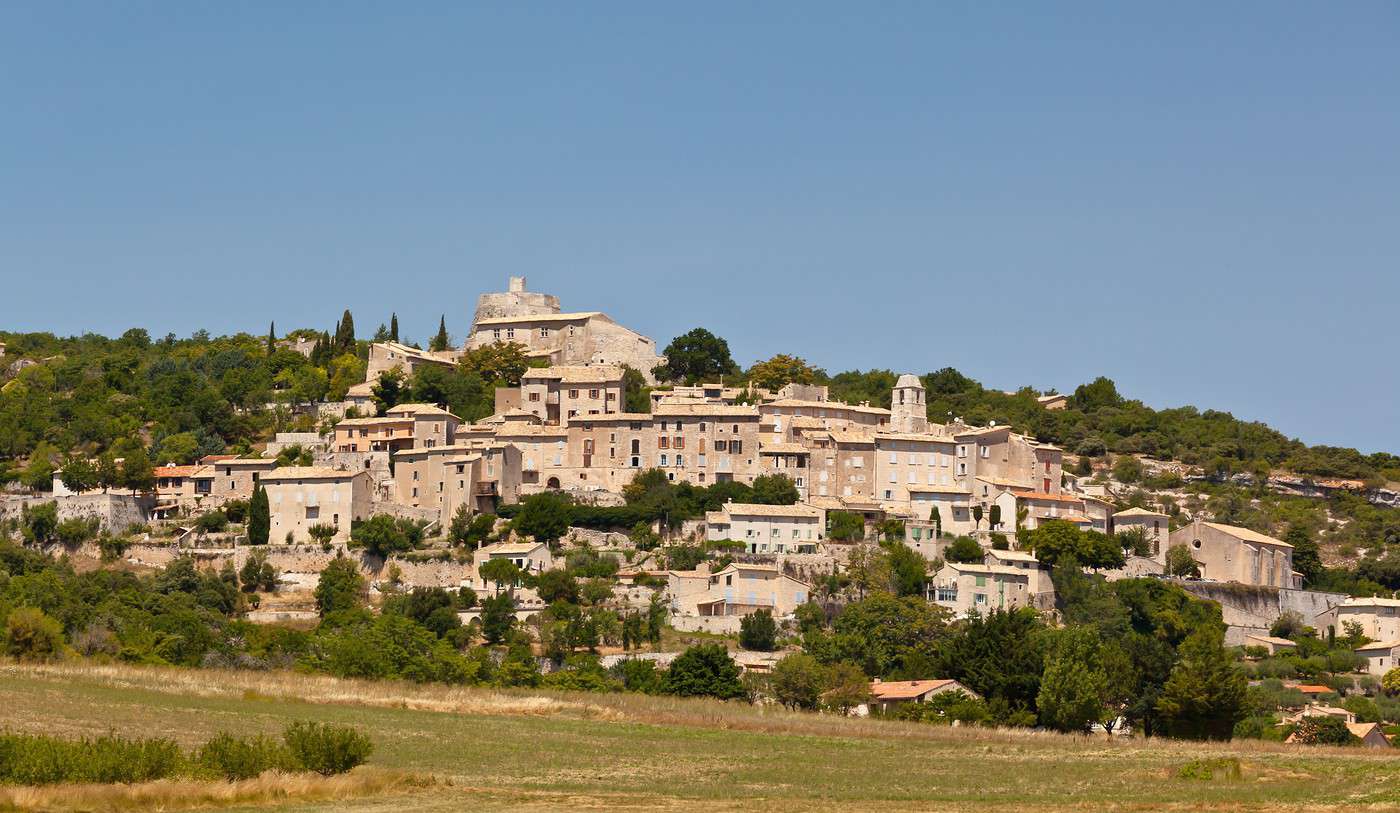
(271,337)
(440,341)
(345,334)
(259,518)
(393,327)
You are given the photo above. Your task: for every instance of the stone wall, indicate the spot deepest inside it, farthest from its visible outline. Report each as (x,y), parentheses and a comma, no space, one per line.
(117,512)
(1254,609)
(716,624)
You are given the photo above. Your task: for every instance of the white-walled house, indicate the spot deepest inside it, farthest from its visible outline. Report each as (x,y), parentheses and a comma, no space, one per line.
(299,497)
(767,528)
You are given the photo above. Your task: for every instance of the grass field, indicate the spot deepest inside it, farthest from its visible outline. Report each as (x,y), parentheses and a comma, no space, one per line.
(513,750)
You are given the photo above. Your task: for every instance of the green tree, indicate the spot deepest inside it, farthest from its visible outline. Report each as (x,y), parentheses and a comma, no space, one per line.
(908,568)
(1390,682)
(758,631)
(499,572)
(799,680)
(257,573)
(1320,730)
(38,475)
(845,526)
(340,587)
(497,617)
(774,489)
(137,472)
(79,475)
(259,518)
(393,327)
(782,369)
(544,516)
(848,687)
(697,356)
(705,670)
(1204,697)
(1181,563)
(964,550)
(30,635)
(1307,560)
(470,530)
(39,523)
(1073,686)
(322,533)
(346,370)
(440,340)
(381,535)
(1127,469)
(501,363)
(345,334)
(388,390)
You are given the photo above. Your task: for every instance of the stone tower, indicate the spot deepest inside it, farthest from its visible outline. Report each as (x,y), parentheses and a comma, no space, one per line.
(909,412)
(515,301)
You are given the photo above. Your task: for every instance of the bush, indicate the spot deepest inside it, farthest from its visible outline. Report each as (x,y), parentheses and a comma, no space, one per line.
(32,636)
(77,529)
(758,631)
(235,758)
(326,749)
(212,522)
(28,759)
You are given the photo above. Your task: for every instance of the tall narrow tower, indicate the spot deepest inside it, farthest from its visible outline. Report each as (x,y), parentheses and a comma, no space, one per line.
(909,412)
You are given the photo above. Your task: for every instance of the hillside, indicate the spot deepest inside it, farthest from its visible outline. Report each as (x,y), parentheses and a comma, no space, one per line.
(514,750)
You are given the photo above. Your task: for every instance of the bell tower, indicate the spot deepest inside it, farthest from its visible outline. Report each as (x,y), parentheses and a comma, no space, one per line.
(909,412)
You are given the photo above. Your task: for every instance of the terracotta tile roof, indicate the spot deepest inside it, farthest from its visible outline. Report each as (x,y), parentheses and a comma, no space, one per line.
(175,471)
(905,689)
(1247,535)
(732,410)
(1138,512)
(783,448)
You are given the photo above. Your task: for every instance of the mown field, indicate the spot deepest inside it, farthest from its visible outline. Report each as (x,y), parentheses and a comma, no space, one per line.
(510,750)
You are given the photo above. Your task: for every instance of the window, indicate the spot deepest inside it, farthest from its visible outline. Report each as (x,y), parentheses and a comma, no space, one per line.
(663,442)
(573,393)
(544,333)
(680,460)
(664,458)
(721,445)
(593,394)
(495,334)
(534,396)
(986,450)
(510,333)
(962,451)
(736,446)
(678,443)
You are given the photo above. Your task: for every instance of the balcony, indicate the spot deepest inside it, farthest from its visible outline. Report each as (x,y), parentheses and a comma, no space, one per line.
(487,489)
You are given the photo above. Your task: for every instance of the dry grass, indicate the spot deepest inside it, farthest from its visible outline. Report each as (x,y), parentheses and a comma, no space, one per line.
(530,749)
(295,687)
(176,794)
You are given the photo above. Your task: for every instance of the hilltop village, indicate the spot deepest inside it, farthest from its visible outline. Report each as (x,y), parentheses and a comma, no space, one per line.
(721,506)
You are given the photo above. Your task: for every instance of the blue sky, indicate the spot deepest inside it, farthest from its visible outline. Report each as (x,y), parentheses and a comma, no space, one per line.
(1199,200)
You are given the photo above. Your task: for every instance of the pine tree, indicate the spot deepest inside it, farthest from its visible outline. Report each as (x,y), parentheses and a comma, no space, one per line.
(1205,695)
(393,327)
(440,341)
(259,518)
(271,337)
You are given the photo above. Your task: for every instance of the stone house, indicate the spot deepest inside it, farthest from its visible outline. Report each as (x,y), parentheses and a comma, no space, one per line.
(965,588)
(1381,656)
(1379,617)
(531,557)
(1155,527)
(302,496)
(1228,553)
(768,528)
(888,695)
(386,356)
(559,395)
(1274,645)
(738,589)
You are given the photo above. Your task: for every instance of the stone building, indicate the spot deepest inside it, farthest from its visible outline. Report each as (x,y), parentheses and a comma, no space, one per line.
(768,528)
(580,338)
(1230,554)
(300,497)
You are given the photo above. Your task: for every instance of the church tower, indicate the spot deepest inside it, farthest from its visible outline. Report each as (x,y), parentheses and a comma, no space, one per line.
(909,411)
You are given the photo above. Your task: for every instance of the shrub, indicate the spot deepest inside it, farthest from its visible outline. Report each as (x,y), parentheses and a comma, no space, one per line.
(326,749)
(77,529)
(32,636)
(212,522)
(236,758)
(1209,769)
(27,759)
(758,631)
